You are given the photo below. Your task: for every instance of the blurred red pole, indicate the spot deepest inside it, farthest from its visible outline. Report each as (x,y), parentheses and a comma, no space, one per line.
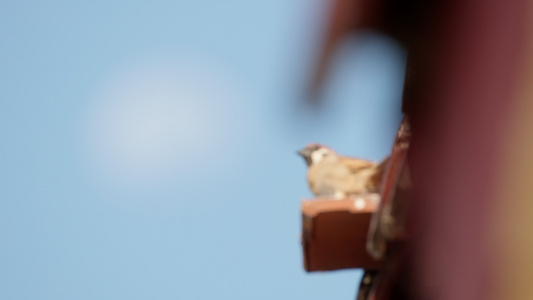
(470,65)
(345,17)
(463,68)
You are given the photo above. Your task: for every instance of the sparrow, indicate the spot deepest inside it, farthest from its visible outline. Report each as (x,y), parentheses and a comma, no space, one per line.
(332,175)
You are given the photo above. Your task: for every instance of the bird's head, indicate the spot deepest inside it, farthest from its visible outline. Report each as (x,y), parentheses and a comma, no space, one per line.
(315,153)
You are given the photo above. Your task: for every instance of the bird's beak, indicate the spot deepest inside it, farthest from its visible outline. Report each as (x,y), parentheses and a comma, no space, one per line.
(302,152)
(306,154)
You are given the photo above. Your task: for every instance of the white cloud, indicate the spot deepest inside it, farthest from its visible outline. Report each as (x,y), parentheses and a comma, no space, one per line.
(157,118)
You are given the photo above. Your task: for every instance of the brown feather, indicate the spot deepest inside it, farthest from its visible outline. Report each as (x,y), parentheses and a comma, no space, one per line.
(330,174)
(378,175)
(356,164)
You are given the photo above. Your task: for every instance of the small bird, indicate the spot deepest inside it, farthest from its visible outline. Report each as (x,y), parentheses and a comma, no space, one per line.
(332,175)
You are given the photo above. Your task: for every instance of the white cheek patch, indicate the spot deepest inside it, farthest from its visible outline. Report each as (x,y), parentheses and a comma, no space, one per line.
(318,155)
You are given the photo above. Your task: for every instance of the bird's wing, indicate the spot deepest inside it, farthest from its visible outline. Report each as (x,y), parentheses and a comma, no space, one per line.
(378,174)
(372,169)
(383,164)
(356,164)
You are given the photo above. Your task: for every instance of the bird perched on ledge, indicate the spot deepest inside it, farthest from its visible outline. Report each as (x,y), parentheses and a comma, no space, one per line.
(332,175)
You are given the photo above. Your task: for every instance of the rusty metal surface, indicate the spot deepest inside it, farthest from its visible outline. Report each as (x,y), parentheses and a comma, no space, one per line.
(389,221)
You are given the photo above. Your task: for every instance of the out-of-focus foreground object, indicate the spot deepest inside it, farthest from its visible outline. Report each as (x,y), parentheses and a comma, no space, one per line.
(511,217)
(346,17)
(463,82)
(468,95)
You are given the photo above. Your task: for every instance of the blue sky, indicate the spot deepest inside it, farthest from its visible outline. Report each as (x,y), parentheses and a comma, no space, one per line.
(148,149)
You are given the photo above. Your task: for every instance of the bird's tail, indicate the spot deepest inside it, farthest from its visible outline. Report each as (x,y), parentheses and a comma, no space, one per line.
(374,182)
(380,170)
(383,165)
